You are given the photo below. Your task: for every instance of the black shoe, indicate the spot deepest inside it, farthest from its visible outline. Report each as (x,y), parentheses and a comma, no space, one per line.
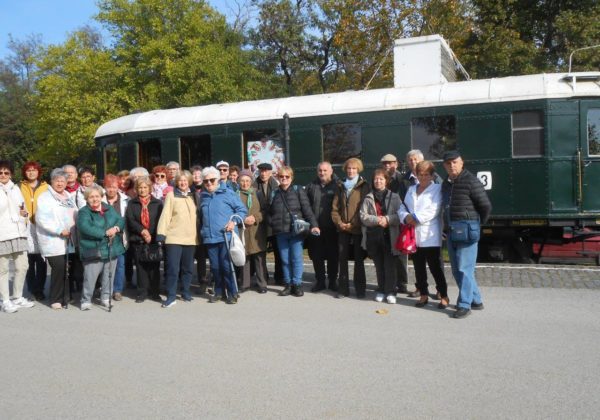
(402,289)
(461,313)
(298,292)
(262,290)
(213,299)
(231,300)
(333,287)
(287,290)
(360,295)
(139,299)
(477,306)
(318,287)
(156,298)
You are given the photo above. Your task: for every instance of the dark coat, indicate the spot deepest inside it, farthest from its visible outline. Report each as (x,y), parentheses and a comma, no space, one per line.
(465,199)
(280,219)
(133,216)
(346,208)
(264,199)
(321,201)
(92,227)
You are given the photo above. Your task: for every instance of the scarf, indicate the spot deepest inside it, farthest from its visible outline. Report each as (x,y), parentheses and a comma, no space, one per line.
(248,194)
(73,187)
(145,216)
(158,190)
(350,183)
(13,208)
(379,197)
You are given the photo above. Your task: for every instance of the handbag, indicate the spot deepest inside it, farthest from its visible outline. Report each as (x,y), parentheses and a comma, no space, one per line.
(299,226)
(465,231)
(237,248)
(150,253)
(90,254)
(407,241)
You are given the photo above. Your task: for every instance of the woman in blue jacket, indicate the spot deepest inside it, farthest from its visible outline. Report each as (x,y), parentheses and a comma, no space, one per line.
(217,203)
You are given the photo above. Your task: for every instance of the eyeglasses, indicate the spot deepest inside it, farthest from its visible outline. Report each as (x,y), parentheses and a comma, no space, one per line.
(160,175)
(4,172)
(223,170)
(284,176)
(210,181)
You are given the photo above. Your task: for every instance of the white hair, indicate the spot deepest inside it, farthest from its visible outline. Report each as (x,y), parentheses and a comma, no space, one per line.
(210,170)
(415,152)
(139,171)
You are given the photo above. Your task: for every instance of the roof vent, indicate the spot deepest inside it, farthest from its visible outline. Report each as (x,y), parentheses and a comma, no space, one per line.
(424,60)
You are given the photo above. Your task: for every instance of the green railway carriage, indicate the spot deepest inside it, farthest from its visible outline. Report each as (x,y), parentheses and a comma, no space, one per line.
(533,141)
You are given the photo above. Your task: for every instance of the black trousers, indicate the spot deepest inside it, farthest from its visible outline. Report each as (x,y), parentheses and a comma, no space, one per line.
(129,266)
(432,257)
(401,267)
(278,275)
(59,286)
(200,257)
(148,275)
(75,272)
(36,274)
(321,249)
(385,270)
(347,244)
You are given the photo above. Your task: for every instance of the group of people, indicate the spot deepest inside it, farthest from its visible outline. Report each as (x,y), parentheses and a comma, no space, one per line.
(92,236)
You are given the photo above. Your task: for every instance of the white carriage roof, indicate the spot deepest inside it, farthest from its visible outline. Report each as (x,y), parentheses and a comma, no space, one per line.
(515,88)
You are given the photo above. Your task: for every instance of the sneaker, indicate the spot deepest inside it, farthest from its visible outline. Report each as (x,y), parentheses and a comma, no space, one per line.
(231,300)
(105,303)
(23,303)
(56,305)
(169,304)
(477,306)
(391,299)
(9,307)
(379,297)
(86,306)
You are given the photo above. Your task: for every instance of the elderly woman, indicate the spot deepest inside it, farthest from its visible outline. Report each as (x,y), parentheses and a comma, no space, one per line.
(217,204)
(255,235)
(422,209)
(379,216)
(177,230)
(134,174)
(160,187)
(100,230)
(13,240)
(32,186)
(142,215)
(119,201)
(55,228)
(290,202)
(345,213)
(200,255)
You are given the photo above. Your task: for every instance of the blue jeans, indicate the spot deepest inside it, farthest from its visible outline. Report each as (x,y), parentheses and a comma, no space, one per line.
(119,274)
(463,257)
(220,268)
(292,261)
(180,258)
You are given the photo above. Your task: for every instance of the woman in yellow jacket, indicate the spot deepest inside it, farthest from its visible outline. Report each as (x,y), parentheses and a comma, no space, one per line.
(32,187)
(177,230)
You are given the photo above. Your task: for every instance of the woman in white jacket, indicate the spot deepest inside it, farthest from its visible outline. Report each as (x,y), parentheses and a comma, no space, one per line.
(55,224)
(422,209)
(13,240)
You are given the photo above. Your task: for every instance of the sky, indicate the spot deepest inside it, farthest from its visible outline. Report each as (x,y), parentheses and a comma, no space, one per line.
(53,19)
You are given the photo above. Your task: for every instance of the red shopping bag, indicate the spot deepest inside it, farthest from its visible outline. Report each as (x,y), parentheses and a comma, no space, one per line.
(406,242)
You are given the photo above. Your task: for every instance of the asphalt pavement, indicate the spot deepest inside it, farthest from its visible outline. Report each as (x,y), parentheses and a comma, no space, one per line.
(531,353)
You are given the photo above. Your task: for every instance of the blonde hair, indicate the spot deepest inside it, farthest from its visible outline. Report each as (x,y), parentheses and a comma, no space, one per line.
(353,161)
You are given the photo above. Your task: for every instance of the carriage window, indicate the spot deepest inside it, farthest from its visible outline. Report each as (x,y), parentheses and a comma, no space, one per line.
(593,129)
(110,159)
(150,153)
(341,142)
(433,135)
(527,134)
(195,150)
(264,146)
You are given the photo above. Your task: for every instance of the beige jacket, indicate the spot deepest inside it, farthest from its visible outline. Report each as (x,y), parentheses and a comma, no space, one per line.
(178,220)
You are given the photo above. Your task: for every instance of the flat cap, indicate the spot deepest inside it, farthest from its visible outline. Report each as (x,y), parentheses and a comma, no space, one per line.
(265,166)
(389,158)
(222,163)
(451,155)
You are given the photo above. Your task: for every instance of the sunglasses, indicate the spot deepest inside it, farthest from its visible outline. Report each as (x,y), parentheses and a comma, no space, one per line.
(223,170)
(284,176)
(160,176)
(210,181)
(4,172)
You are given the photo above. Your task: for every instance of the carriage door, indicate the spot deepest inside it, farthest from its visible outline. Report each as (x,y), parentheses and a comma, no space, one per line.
(195,150)
(589,161)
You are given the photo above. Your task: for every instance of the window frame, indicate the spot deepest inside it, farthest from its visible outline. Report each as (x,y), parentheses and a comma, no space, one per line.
(360,141)
(426,152)
(528,128)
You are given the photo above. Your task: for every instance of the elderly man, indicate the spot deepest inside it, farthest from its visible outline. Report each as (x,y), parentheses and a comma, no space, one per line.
(466,205)
(320,193)
(223,168)
(264,184)
(72,184)
(172,171)
(390,164)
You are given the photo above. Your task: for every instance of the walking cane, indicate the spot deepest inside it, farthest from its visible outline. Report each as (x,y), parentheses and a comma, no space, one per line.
(110,285)
(66,279)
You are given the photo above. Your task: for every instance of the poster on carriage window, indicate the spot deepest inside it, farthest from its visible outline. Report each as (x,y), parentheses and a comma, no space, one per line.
(267,149)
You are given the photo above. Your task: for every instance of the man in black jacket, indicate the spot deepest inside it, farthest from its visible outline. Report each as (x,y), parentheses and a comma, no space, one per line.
(320,193)
(466,205)
(264,184)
